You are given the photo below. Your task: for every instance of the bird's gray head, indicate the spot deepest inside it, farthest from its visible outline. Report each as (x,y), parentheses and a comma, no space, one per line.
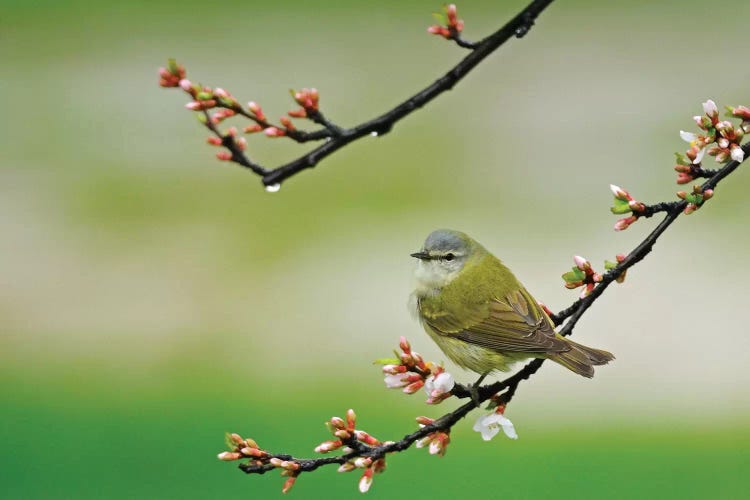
(443,255)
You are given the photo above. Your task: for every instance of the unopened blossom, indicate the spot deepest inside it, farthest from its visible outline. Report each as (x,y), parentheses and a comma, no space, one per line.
(366,480)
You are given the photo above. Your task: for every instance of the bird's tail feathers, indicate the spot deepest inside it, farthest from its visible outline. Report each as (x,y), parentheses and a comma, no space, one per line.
(581,359)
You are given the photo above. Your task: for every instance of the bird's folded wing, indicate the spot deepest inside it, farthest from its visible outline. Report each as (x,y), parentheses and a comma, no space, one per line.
(512,323)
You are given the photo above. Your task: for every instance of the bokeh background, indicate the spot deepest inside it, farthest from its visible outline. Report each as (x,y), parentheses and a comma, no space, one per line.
(152,298)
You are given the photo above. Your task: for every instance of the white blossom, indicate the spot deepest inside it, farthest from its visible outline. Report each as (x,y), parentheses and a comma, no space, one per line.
(688,136)
(699,156)
(709,107)
(396,380)
(440,384)
(737,153)
(490,425)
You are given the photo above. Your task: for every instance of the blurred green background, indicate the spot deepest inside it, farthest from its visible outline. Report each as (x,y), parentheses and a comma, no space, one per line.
(152,298)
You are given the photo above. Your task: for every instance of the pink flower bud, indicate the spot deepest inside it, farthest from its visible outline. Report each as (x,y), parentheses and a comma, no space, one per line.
(187,86)
(366,481)
(413,387)
(214,141)
(256,110)
(251,129)
(254,452)
(422,421)
(298,113)
(338,423)
(288,484)
(274,132)
(709,107)
(327,446)
(224,155)
(362,462)
(394,369)
(581,263)
(366,438)
(625,223)
(286,122)
(404,344)
(683,178)
(228,456)
(741,112)
(351,419)
(619,193)
(342,434)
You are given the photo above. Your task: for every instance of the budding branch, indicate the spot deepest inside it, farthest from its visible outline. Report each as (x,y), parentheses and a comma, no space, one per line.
(337,137)
(359,449)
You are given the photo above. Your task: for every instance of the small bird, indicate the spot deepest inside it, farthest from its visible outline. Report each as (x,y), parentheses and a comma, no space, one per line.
(481,316)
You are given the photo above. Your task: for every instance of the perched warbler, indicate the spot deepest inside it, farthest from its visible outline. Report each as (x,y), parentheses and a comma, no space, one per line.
(481,316)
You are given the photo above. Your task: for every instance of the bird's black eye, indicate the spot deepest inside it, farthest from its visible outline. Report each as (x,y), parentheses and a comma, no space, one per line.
(449,257)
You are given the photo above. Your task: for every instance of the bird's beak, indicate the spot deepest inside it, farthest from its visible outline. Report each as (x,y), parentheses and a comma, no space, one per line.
(421,255)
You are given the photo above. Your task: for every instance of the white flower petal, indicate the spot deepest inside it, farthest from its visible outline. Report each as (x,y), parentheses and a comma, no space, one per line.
(435,447)
(444,382)
(490,425)
(435,386)
(508,428)
(709,107)
(687,136)
(365,483)
(738,154)
(395,381)
(699,156)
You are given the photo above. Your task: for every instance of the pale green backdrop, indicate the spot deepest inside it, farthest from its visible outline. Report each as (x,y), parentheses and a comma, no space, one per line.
(152,298)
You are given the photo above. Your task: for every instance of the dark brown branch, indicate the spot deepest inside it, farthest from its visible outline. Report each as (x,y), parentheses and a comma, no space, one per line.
(510,384)
(575,311)
(518,26)
(336,137)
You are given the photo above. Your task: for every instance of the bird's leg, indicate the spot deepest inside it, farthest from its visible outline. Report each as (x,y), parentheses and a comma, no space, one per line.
(474,389)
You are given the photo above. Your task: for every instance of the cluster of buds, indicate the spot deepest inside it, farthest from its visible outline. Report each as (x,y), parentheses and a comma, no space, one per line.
(307,99)
(624,203)
(724,134)
(449,24)
(743,113)
(437,442)
(728,143)
(410,371)
(344,431)
(171,75)
(206,98)
(608,265)
(695,199)
(240,448)
(686,170)
(582,274)
(370,466)
(289,469)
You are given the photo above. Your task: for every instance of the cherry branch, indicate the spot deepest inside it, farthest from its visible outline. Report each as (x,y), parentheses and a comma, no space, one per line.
(362,451)
(335,137)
